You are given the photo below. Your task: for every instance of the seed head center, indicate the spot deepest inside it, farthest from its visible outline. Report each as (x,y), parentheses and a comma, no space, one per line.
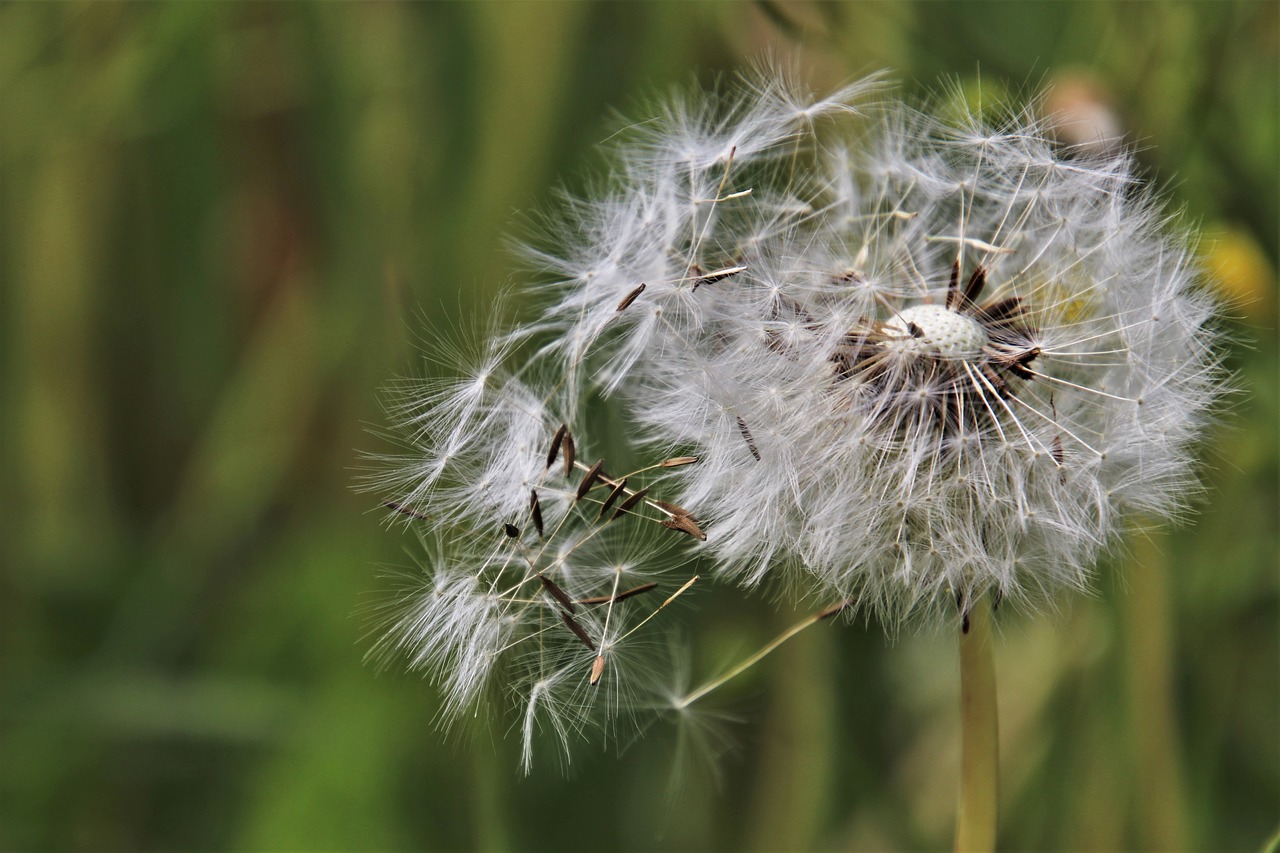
(937,331)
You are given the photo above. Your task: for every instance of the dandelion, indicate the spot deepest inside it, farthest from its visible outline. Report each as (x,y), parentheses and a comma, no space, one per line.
(921,363)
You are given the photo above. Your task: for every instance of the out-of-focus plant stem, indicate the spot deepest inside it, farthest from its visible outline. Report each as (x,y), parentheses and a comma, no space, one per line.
(1149,629)
(979,725)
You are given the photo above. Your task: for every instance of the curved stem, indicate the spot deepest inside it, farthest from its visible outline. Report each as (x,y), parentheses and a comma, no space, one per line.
(980,749)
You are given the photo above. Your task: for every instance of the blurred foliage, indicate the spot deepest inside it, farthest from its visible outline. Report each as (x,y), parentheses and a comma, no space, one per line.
(223,227)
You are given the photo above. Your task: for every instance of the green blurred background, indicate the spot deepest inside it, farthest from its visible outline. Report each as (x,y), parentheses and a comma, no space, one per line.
(226,225)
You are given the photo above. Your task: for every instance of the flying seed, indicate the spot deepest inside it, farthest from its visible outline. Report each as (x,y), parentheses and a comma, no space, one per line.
(588,480)
(570,453)
(556,440)
(559,594)
(577,630)
(511,530)
(605,599)
(404,510)
(677,461)
(630,502)
(685,524)
(597,669)
(631,297)
(613,496)
(535,508)
(746,435)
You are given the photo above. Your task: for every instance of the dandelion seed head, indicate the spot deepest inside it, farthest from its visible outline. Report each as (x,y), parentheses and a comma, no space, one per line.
(888,359)
(952,356)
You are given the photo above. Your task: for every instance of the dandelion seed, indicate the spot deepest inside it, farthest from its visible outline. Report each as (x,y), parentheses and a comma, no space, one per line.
(622,596)
(685,524)
(404,510)
(578,630)
(631,297)
(556,441)
(747,437)
(597,669)
(535,510)
(559,594)
(613,496)
(718,275)
(588,480)
(570,453)
(630,503)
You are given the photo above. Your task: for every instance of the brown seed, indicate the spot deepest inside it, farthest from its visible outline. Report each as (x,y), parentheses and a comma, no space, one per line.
(622,596)
(685,524)
(597,669)
(746,435)
(404,510)
(977,281)
(535,508)
(559,594)
(630,502)
(718,275)
(631,297)
(953,287)
(570,453)
(1017,363)
(578,630)
(555,445)
(677,461)
(588,480)
(613,496)
(511,530)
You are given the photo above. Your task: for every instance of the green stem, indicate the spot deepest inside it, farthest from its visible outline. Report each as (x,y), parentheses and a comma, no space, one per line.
(760,655)
(980,748)
(1149,629)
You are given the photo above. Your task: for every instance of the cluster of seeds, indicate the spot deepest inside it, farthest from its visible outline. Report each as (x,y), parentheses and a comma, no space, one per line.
(915,362)
(930,361)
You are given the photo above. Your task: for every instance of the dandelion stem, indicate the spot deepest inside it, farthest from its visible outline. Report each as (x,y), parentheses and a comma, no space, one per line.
(980,749)
(760,655)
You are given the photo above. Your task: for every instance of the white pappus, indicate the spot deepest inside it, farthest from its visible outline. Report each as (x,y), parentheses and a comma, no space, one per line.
(920,360)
